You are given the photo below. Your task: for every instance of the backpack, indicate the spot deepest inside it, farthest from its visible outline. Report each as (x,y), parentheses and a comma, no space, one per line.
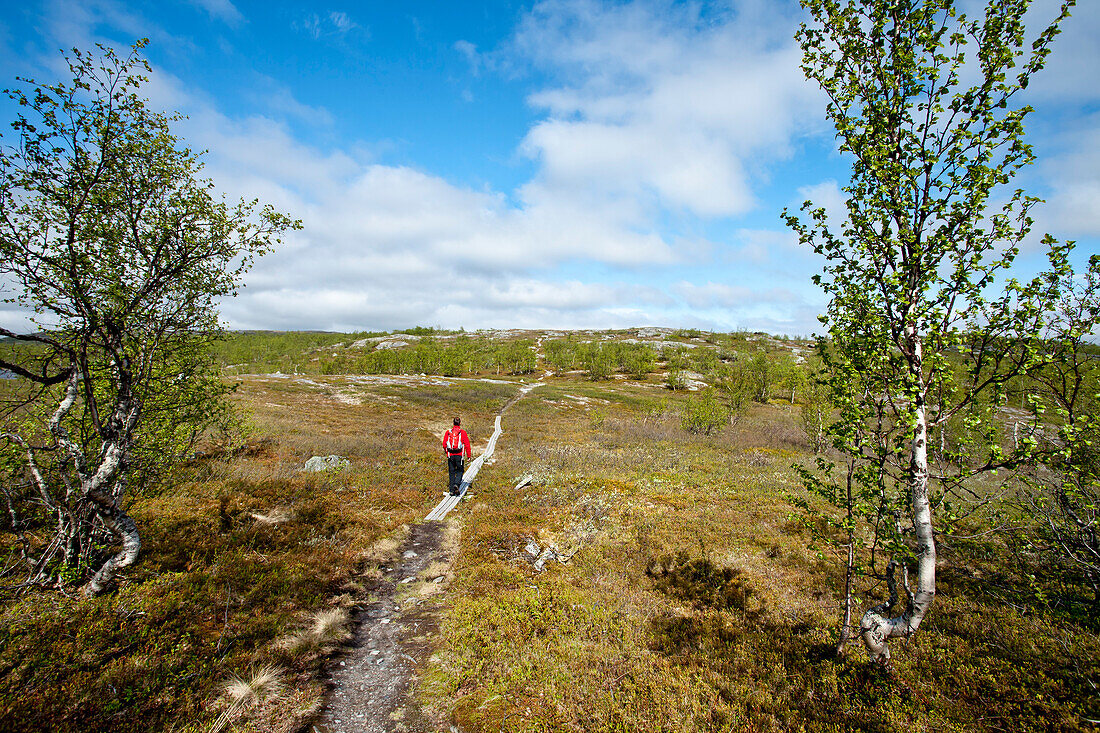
(453,441)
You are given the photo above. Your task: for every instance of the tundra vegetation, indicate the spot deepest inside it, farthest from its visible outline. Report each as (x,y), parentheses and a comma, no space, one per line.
(692,602)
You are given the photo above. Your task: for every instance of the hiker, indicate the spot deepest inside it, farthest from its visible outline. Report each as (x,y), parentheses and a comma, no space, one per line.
(455,443)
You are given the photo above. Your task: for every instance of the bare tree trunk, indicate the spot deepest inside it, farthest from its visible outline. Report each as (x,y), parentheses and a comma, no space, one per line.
(94,492)
(875,628)
(846,623)
(126,530)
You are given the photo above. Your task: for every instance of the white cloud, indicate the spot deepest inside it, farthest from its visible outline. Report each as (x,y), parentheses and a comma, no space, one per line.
(341,21)
(416,243)
(389,246)
(719,295)
(760,246)
(826,195)
(1074,212)
(653,115)
(469,52)
(1071,171)
(223,10)
(68,24)
(282,101)
(321,25)
(1070,72)
(659,104)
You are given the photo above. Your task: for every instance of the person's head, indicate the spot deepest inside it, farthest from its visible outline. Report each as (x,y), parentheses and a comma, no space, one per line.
(458,421)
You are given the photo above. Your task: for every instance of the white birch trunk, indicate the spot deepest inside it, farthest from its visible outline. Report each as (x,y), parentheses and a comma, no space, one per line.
(119,522)
(95,485)
(875,628)
(108,507)
(846,623)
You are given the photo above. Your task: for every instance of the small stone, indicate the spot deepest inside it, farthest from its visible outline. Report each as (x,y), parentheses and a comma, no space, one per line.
(318,464)
(410,554)
(548,554)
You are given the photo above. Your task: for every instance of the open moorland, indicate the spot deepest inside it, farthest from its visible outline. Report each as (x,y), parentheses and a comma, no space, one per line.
(622,563)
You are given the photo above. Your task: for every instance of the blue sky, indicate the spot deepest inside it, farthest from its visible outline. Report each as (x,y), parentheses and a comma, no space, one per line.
(559,164)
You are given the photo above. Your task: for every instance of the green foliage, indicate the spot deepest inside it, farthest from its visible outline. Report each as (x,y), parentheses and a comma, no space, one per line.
(334,353)
(674,379)
(761,372)
(1062,492)
(120,250)
(917,335)
(638,362)
(288,352)
(600,359)
(815,414)
(462,355)
(426,331)
(598,364)
(735,385)
(704,413)
(705,361)
(791,377)
(677,358)
(687,333)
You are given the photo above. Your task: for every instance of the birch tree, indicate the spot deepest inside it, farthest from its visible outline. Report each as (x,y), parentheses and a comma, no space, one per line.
(110,238)
(925,324)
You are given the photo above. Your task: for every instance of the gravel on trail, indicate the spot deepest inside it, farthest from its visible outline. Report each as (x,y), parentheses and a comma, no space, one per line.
(372,682)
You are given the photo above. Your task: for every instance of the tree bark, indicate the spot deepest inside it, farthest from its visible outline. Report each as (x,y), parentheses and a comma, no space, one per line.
(124,527)
(846,623)
(874,627)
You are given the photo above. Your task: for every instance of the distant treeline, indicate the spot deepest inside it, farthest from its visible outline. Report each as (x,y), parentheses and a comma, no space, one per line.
(279,351)
(455,357)
(715,357)
(600,360)
(329,353)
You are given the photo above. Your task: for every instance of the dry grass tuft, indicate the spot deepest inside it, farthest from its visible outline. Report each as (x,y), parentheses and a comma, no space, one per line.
(264,684)
(386,548)
(275,517)
(328,628)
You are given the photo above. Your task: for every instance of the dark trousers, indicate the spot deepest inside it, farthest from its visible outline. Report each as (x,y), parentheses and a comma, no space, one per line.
(454,468)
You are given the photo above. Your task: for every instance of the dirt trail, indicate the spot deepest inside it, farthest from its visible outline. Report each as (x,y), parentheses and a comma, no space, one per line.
(371,682)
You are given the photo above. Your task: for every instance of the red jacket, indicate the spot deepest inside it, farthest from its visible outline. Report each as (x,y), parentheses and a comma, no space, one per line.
(457,443)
